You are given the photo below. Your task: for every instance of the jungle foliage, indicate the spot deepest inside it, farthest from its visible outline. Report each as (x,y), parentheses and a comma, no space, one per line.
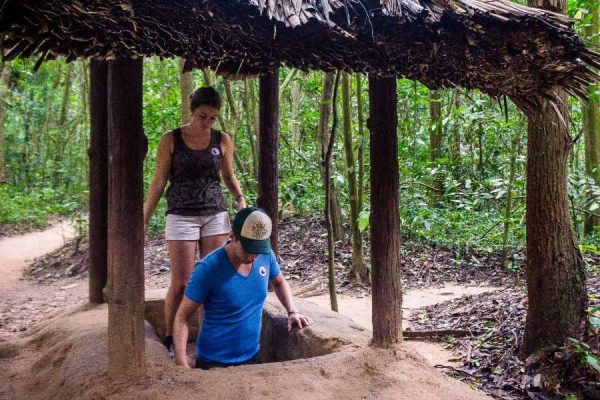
(470,195)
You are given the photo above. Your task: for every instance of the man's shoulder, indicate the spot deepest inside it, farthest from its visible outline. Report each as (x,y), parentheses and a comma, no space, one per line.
(212,260)
(216,256)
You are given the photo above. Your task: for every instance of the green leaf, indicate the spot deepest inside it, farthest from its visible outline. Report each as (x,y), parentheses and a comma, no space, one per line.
(427,225)
(595,321)
(592,361)
(363,220)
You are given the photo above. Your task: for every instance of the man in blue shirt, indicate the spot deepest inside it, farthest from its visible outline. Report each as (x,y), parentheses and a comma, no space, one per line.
(231,283)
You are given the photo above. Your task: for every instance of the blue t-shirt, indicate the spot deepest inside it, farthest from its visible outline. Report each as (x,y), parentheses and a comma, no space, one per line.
(233,304)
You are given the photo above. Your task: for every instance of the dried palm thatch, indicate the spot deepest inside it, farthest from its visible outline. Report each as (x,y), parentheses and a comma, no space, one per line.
(497,46)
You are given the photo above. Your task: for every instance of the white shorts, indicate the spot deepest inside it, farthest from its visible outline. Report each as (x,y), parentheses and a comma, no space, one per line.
(184,227)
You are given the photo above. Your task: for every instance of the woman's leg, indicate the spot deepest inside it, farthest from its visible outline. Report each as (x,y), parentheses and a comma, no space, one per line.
(214,233)
(182,255)
(210,243)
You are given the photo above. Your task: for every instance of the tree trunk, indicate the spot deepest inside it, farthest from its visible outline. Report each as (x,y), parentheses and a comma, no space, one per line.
(4,80)
(480,150)
(61,140)
(248,105)
(233,120)
(126,148)
(186,88)
(295,122)
(231,127)
(435,146)
(555,275)
(50,114)
(268,145)
(328,204)
(361,142)
(455,145)
(323,133)
(359,270)
(98,176)
(591,125)
(385,218)
(83,114)
(509,195)
(455,148)
(209,79)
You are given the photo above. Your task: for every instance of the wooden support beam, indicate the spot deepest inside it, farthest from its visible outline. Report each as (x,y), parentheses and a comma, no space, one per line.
(268,145)
(385,217)
(126,151)
(98,180)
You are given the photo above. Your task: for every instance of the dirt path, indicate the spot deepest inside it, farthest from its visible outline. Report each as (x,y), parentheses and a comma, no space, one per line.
(359,310)
(18,251)
(23,304)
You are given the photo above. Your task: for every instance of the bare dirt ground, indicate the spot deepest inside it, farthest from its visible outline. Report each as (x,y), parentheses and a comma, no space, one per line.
(20,250)
(66,359)
(443,290)
(359,309)
(43,354)
(22,305)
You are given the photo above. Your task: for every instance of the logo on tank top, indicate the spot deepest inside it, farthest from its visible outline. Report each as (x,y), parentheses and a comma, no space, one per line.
(262,271)
(215,151)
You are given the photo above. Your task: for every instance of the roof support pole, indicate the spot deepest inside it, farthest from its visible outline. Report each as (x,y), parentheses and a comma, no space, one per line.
(385,218)
(126,151)
(268,146)
(556,281)
(98,180)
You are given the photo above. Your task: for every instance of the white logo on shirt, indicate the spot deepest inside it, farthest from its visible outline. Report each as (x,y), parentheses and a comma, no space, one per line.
(262,271)
(215,151)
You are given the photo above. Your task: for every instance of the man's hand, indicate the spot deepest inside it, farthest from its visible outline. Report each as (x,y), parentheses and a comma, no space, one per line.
(182,361)
(301,320)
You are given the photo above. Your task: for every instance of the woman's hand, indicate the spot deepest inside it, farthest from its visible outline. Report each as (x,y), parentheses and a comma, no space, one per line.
(145,233)
(241,202)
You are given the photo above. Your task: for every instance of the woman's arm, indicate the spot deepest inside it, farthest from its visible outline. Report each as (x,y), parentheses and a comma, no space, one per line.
(227,173)
(161,174)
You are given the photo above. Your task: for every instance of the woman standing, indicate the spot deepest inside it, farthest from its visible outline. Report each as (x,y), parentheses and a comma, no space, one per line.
(194,159)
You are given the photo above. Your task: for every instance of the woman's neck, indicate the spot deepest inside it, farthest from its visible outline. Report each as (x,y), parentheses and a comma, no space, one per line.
(195,130)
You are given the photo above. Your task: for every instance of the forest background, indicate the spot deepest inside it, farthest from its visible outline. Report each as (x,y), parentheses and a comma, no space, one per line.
(461,153)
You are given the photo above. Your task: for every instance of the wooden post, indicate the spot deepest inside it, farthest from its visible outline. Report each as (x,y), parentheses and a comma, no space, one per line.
(126,150)
(556,277)
(556,281)
(98,176)
(385,218)
(268,144)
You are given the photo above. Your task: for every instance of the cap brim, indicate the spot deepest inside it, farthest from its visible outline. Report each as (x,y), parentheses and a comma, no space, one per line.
(256,246)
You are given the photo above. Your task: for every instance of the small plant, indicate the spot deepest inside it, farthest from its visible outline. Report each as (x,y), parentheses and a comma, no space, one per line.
(588,357)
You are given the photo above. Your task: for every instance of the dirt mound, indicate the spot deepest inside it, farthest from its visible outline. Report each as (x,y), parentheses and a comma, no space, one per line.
(73,365)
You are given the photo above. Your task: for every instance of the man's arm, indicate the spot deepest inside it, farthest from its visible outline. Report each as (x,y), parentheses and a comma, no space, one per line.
(284,294)
(181,329)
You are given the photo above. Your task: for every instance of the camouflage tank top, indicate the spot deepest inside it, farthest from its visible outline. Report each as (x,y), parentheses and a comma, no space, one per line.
(195,183)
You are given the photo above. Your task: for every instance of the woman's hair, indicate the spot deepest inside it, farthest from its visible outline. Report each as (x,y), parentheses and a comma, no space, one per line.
(205,96)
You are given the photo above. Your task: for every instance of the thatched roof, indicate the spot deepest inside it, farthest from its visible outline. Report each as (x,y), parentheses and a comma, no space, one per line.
(495,45)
